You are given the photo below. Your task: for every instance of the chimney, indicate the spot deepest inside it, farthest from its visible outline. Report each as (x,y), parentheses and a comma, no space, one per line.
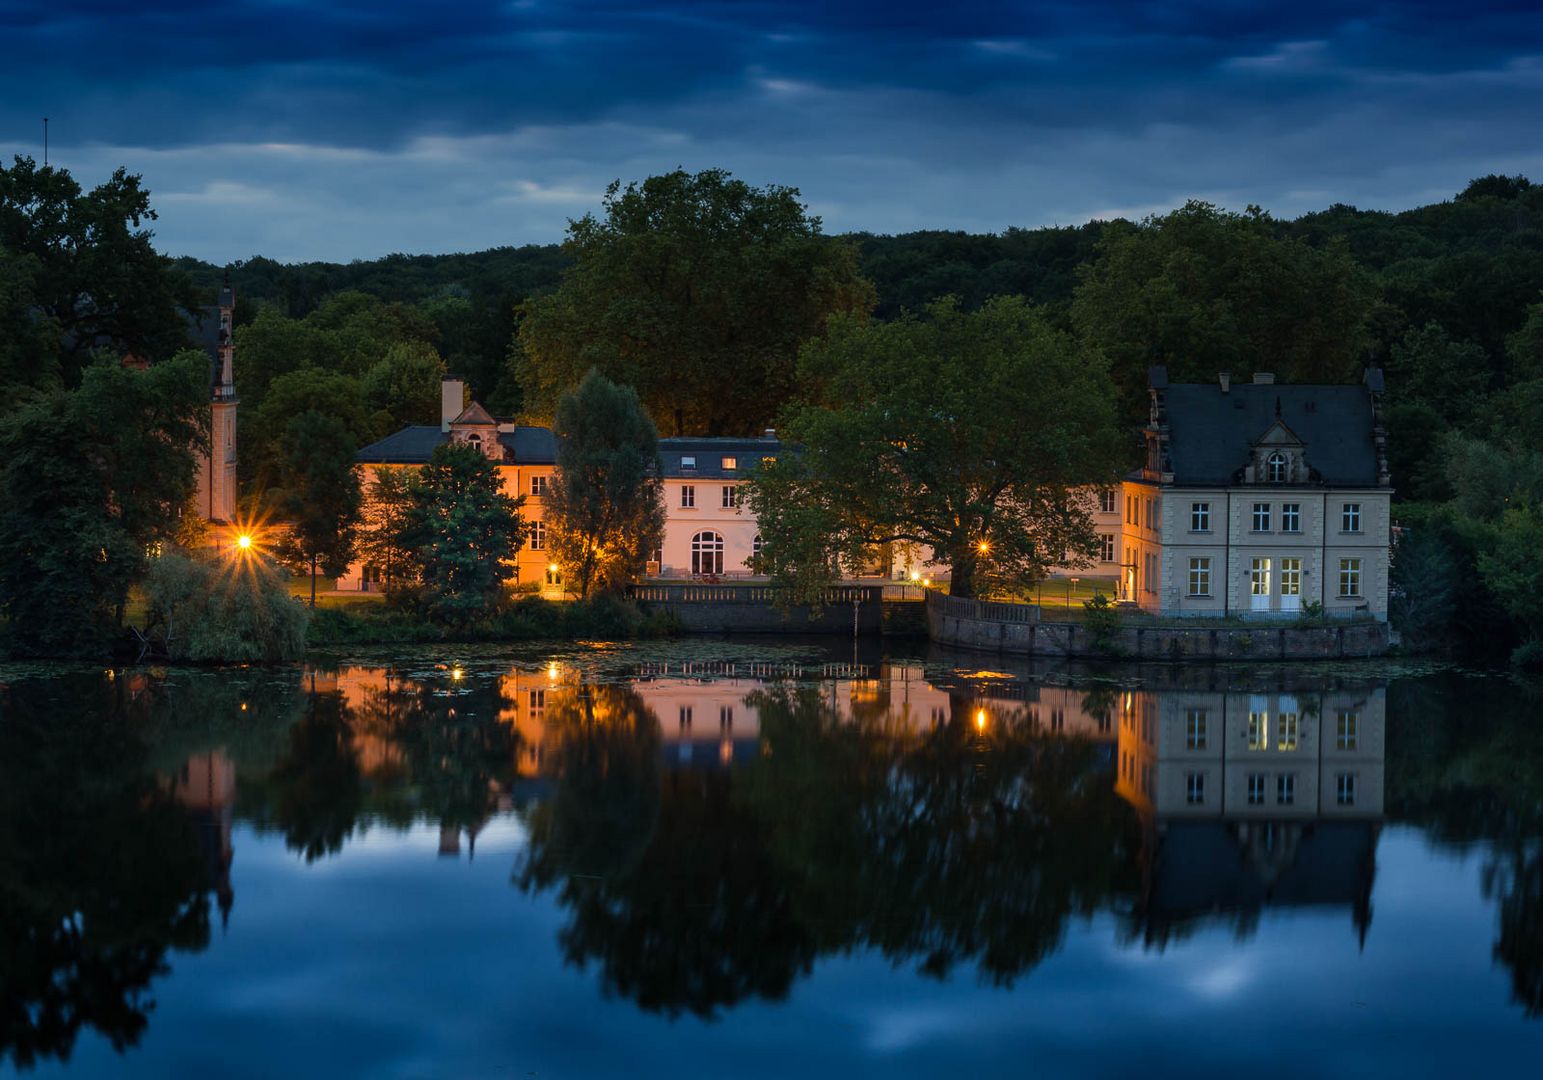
(769,433)
(1225,378)
(1264,378)
(452,400)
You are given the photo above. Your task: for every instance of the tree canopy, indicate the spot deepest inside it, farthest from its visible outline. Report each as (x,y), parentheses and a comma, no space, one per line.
(605,508)
(695,289)
(966,433)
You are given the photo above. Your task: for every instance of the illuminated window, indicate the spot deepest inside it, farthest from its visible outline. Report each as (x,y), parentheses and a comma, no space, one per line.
(1286,731)
(1349,578)
(1200,517)
(1194,788)
(1347,730)
(538,536)
(1256,789)
(1200,577)
(1350,518)
(1291,577)
(730,497)
(1291,517)
(1275,468)
(1258,731)
(1106,547)
(553,576)
(688,496)
(1286,788)
(1195,729)
(1261,517)
(707,553)
(730,463)
(538,485)
(1345,789)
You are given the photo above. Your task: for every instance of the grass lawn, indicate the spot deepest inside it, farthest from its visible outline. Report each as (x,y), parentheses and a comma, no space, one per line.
(327,594)
(1063,592)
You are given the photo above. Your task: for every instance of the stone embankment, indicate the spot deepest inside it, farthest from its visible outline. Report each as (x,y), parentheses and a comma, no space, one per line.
(1017,629)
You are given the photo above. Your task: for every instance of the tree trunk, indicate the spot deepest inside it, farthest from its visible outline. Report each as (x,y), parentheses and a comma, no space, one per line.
(313,582)
(962,581)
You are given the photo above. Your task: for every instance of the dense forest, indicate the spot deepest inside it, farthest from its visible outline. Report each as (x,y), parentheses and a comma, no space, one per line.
(1447,298)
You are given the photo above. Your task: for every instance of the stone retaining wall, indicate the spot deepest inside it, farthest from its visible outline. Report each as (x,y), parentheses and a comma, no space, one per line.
(972,624)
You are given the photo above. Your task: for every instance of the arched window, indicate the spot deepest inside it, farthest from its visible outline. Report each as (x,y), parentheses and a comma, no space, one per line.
(1276,468)
(707,553)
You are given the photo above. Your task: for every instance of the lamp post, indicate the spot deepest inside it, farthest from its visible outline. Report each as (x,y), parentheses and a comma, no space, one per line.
(1072,583)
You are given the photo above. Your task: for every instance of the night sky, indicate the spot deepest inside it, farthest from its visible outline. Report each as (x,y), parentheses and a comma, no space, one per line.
(339,130)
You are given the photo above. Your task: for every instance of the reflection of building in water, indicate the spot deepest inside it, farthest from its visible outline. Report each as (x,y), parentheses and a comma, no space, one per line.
(1254,800)
(206,787)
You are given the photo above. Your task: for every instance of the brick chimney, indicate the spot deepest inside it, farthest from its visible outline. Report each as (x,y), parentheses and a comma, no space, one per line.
(452,400)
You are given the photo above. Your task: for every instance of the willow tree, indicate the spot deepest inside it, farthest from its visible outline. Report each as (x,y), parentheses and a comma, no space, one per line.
(968,434)
(606,504)
(697,290)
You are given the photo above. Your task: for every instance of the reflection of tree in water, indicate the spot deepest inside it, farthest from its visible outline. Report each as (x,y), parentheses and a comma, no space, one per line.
(1468,764)
(315,787)
(670,883)
(942,847)
(100,870)
(949,845)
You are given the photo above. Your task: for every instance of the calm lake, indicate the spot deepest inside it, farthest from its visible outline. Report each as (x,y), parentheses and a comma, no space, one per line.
(752,858)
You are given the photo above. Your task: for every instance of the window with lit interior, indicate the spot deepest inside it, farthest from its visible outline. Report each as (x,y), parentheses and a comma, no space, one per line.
(707,553)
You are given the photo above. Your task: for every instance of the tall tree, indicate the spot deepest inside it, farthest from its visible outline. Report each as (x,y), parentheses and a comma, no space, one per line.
(697,290)
(319,495)
(90,482)
(96,276)
(967,433)
(605,509)
(1203,290)
(464,533)
(388,502)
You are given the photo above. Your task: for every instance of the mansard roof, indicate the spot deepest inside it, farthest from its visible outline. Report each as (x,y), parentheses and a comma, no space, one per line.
(415,444)
(1211,432)
(709,454)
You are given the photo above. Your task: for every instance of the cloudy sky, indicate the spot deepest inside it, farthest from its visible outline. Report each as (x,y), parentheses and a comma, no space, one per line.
(339,129)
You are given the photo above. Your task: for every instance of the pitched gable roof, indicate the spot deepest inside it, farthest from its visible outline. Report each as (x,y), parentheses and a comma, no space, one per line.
(474,414)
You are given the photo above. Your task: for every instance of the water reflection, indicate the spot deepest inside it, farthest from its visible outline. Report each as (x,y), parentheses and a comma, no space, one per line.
(709,832)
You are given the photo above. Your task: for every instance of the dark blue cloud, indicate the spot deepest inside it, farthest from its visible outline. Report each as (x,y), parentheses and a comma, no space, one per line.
(351,128)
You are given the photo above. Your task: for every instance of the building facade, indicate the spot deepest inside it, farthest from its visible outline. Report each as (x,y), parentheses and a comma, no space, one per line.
(707,532)
(1268,499)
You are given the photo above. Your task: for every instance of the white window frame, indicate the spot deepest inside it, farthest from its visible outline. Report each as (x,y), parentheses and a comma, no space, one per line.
(1277,468)
(730,497)
(1200,517)
(1286,789)
(1200,576)
(538,535)
(1344,789)
(1106,501)
(688,462)
(538,486)
(1347,730)
(1256,787)
(1196,735)
(1261,518)
(688,496)
(1194,788)
(1350,579)
(1106,547)
(707,553)
(1350,517)
(1290,517)
(731,464)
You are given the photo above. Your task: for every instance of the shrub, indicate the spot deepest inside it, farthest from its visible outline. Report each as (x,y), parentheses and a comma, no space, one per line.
(1102,621)
(239,611)
(1528,656)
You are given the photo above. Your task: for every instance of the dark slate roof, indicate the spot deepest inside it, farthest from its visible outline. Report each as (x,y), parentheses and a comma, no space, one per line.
(415,444)
(1210,432)
(410,446)
(530,445)
(709,454)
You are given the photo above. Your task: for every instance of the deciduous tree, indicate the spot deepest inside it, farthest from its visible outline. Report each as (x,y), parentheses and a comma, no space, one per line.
(697,290)
(605,509)
(318,495)
(967,433)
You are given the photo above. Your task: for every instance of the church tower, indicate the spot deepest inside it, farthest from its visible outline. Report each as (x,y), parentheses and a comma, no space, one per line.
(217,470)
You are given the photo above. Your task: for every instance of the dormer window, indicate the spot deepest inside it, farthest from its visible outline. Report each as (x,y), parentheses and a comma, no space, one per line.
(730,464)
(1275,468)
(688,461)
